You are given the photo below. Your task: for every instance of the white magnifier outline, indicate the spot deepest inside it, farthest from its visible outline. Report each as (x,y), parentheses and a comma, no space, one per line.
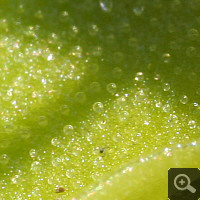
(187,187)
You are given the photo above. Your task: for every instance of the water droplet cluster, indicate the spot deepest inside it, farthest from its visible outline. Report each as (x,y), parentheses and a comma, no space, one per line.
(81,97)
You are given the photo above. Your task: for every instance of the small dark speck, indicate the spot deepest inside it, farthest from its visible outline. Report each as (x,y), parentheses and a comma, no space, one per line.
(60,189)
(101,150)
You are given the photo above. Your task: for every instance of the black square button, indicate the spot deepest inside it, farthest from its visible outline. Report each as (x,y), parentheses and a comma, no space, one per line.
(183,183)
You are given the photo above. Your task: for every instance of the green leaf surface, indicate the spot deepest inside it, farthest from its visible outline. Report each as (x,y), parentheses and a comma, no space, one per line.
(98,98)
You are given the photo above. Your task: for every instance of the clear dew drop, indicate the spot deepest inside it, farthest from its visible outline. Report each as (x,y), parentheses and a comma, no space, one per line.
(98,107)
(4,159)
(139,76)
(35,166)
(166,57)
(68,130)
(9,128)
(93,29)
(80,97)
(55,141)
(76,152)
(138,10)
(198,91)
(125,28)
(20,9)
(76,51)
(184,99)
(121,101)
(138,135)
(95,87)
(97,51)
(63,16)
(102,124)
(192,124)
(157,77)
(166,108)
(68,174)
(117,72)
(191,51)
(106,5)
(65,109)
(117,137)
(158,104)
(75,31)
(14,180)
(140,95)
(39,15)
(55,162)
(173,45)
(43,121)
(25,134)
(111,88)
(3,24)
(133,42)
(123,115)
(32,153)
(50,180)
(166,87)
(50,57)
(193,34)
(36,191)
(4,143)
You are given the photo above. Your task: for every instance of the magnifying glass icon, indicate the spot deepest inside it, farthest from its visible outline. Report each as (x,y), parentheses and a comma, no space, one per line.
(182,182)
